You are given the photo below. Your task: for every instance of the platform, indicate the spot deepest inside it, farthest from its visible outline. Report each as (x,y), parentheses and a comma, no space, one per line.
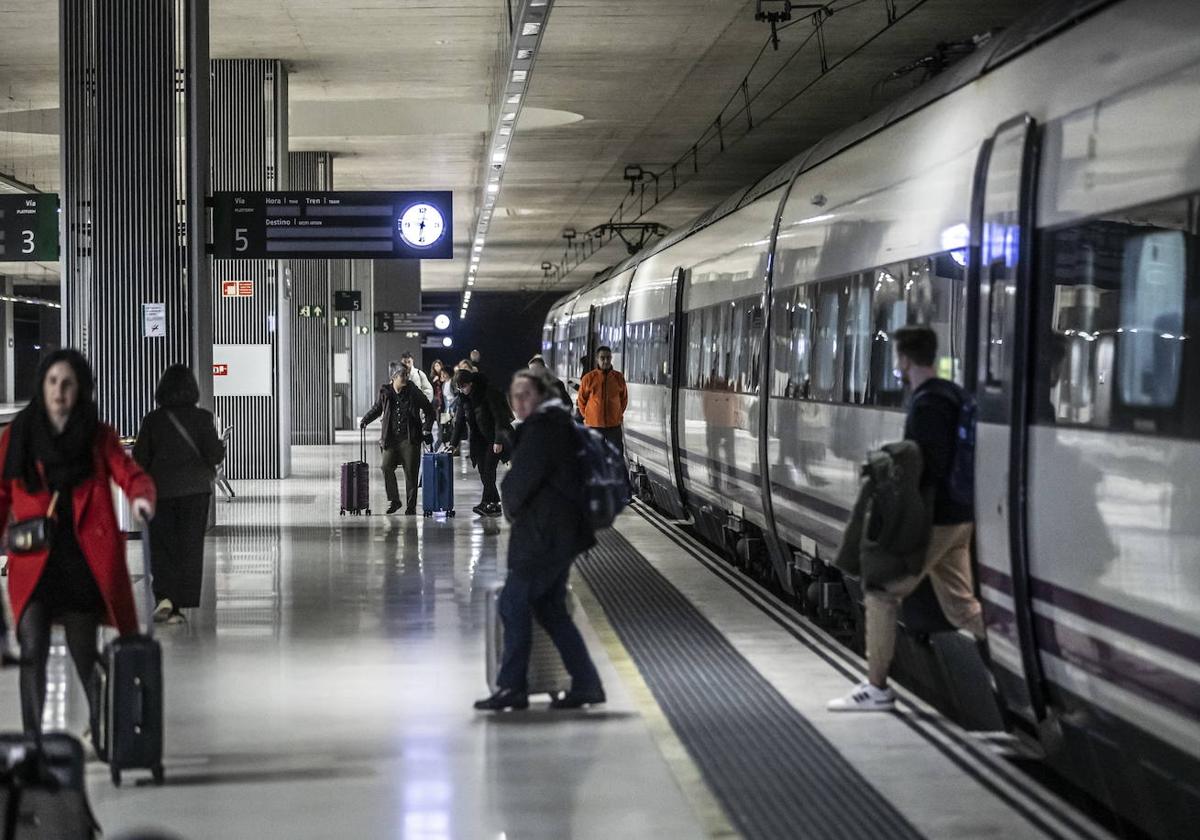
(325,688)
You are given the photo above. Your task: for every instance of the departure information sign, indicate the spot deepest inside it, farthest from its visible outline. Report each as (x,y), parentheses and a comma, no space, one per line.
(29,227)
(333,225)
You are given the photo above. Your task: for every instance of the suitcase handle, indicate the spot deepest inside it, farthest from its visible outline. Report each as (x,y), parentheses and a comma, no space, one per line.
(362,444)
(139,704)
(147,578)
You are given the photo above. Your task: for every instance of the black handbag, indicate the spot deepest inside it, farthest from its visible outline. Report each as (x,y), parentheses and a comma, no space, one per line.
(30,536)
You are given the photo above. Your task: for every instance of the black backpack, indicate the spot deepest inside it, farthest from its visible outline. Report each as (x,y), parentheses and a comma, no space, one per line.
(605,483)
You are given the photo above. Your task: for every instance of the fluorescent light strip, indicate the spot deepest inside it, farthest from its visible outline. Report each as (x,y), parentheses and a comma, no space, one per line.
(527,39)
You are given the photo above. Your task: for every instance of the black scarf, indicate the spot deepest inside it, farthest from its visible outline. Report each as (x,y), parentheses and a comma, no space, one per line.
(66,458)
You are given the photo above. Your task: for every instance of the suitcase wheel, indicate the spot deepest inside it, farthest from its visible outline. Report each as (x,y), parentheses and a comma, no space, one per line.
(428,514)
(116,776)
(159,776)
(368,511)
(343,512)
(449,513)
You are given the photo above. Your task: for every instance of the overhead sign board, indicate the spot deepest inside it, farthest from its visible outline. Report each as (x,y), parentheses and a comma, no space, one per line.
(347,301)
(29,227)
(333,225)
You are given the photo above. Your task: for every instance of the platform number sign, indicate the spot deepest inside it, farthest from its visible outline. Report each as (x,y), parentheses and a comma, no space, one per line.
(29,227)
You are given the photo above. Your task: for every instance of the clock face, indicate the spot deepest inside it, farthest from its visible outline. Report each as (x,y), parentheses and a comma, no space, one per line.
(422,225)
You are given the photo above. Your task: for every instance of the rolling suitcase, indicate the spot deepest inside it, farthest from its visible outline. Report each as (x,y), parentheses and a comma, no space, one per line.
(437,483)
(42,793)
(127,730)
(356,482)
(546,672)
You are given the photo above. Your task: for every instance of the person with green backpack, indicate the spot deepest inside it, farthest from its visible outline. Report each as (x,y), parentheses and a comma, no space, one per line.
(914,517)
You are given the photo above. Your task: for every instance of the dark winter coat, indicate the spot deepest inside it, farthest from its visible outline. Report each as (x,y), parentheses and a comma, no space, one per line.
(175,467)
(486,412)
(418,418)
(542,494)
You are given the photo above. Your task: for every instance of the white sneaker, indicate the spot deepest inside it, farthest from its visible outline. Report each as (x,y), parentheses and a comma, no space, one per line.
(164,609)
(865,698)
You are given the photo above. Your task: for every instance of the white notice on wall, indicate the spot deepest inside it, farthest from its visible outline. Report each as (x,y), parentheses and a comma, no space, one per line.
(154,320)
(242,370)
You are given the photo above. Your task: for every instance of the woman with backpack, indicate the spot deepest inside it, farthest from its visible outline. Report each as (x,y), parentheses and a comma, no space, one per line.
(179,447)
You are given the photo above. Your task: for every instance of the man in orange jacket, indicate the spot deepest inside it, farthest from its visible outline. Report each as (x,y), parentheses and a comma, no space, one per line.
(602,399)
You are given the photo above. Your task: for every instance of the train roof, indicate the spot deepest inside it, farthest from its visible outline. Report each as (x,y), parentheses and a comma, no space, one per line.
(1024,35)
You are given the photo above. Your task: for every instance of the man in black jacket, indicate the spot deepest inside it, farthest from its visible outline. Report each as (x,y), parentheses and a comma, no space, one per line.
(484,413)
(933,421)
(538,365)
(407,421)
(550,528)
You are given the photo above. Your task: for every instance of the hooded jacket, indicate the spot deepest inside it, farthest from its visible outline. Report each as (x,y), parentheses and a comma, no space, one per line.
(542,496)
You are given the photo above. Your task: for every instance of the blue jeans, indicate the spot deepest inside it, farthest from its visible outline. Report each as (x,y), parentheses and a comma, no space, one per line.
(541,595)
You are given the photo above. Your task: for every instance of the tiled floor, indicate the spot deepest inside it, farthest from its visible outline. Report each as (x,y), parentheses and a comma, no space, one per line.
(324,691)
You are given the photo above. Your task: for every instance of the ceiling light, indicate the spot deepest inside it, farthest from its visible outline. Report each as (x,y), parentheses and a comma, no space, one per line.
(471,280)
(447,341)
(515,99)
(505,130)
(498,157)
(524,55)
(510,116)
(520,75)
(531,28)
(474,259)
(493,188)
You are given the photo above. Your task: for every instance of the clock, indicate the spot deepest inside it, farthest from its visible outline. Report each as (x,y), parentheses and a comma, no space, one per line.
(421,225)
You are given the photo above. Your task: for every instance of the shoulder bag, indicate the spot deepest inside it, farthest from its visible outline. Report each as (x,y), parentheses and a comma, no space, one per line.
(30,536)
(183,433)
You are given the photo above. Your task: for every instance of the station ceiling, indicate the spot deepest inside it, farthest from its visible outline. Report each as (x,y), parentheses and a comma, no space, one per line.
(398,90)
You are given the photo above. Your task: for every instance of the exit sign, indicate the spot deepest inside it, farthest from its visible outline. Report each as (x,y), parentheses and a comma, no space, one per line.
(237,288)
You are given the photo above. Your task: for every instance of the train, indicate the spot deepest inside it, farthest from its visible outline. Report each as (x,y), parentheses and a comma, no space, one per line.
(1038,205)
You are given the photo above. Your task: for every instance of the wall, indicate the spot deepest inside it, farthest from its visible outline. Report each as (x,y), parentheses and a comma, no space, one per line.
(506,328)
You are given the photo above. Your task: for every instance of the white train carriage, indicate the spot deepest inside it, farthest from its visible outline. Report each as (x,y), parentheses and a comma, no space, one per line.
(1039,206)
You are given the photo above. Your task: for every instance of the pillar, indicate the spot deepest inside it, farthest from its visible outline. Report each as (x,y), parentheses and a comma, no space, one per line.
(311,363)
(249,152)
(133,180)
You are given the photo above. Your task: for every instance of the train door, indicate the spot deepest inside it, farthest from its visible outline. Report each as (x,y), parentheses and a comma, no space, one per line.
(1003,232)
(676,376)
(593,339)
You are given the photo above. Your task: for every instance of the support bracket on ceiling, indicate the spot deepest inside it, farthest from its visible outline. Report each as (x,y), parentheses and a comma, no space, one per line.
(633,234)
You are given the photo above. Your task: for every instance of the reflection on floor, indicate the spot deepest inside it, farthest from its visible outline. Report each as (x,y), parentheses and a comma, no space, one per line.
(323,690)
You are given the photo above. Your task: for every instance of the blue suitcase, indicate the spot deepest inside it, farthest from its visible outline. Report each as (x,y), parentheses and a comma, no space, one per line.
(437,483)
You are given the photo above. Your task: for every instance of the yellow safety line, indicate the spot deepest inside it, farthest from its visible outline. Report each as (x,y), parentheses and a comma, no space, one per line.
(696,791)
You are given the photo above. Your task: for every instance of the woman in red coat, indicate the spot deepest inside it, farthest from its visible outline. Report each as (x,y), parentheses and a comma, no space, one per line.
(58,459)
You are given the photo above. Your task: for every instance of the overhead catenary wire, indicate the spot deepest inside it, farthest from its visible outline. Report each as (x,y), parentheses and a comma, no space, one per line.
(722,129)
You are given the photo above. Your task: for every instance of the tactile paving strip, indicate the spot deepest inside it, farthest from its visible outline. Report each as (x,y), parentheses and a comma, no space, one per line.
(773,773)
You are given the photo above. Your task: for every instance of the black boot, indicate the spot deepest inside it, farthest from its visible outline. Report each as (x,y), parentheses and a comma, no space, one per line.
(394,506)
(503,700)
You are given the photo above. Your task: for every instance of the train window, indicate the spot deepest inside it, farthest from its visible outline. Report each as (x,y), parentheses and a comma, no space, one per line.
(1113,320)
(825,355)
(856,366)
(891,312)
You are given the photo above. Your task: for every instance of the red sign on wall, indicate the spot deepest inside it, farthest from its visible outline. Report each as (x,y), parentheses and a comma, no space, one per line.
(237,288)
(220,370)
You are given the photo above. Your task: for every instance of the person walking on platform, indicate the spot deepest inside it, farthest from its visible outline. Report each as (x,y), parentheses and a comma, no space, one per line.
(934,416)
(550,528)
(603,399)
(484,413)
(179,447)
(407,423)
(66,554)
(417,376)
(538,365)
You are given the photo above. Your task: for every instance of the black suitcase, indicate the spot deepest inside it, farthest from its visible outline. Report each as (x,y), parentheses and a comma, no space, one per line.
(42,794)
(356,482)
(127,731)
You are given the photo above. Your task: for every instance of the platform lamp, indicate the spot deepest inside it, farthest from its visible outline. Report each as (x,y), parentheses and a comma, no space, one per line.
(546,266)
(634,174)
